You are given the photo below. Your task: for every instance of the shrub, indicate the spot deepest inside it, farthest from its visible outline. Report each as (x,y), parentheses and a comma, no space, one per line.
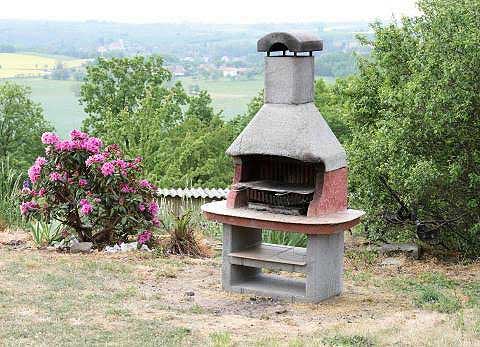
(44,234)
(413,113)
(184,238)
(90,188)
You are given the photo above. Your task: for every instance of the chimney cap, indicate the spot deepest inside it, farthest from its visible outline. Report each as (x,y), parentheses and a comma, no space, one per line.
(293,42)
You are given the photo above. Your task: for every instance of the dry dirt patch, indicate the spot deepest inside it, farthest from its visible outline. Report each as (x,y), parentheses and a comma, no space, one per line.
(131,291)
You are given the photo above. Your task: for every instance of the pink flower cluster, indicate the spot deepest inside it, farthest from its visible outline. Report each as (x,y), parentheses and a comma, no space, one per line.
(108,169)
(96,158)
(55,176)
(125,188)
(28,206)
(82,182)
(35,170)
(153,208)
(78,140)
(50,138)
(144,237)
(85,207)
(146,184)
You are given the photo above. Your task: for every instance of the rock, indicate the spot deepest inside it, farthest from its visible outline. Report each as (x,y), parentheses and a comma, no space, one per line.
(123,247)
(391,262)
(281,311)
(112,249)
(190,293)
(145,248)
(128,247)
(81,247)
(409,249)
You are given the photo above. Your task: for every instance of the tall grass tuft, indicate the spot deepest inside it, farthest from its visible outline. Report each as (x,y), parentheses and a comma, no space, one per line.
(178,207)
(10,185)
(285,238)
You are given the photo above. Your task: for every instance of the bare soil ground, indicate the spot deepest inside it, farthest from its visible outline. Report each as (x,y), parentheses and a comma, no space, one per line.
(50,298)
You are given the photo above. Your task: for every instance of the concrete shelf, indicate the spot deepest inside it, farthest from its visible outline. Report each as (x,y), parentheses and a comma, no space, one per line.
(274,257)
(272,286)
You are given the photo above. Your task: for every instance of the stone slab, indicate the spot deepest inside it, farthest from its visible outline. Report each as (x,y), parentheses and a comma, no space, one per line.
(272,286)
(245,217)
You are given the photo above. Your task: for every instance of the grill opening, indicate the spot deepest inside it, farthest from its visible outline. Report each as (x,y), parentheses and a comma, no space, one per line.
(278,184)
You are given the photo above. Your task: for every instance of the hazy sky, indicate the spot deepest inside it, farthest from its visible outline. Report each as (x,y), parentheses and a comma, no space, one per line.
(217,11)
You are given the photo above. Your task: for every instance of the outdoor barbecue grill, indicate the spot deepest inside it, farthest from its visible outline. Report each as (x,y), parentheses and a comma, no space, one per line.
(290,174)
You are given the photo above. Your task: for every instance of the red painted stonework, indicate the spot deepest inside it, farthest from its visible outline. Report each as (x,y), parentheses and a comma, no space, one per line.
(330,193)
(237,198)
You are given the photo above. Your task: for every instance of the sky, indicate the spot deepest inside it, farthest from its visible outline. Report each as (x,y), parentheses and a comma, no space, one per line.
(207,11)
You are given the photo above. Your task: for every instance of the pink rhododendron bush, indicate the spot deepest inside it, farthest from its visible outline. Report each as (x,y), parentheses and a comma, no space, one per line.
(92,189)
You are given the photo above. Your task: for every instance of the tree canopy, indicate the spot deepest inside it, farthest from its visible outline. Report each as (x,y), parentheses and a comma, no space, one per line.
(181,137)
(21,125)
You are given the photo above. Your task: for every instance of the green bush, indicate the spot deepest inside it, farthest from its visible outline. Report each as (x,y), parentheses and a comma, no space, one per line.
(414,115)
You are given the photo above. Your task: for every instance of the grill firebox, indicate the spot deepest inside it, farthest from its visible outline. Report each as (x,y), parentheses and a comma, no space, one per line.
(278,184)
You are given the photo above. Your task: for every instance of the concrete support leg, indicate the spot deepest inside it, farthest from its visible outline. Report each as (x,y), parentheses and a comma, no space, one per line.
(236,238)
(324,266)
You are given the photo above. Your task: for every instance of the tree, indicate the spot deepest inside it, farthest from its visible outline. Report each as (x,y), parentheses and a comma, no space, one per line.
(414,113)
(21,125)
(182,136)
(119,84)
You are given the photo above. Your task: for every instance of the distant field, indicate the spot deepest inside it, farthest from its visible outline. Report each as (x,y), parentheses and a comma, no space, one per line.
(228,95)
(32,65)
(59,101)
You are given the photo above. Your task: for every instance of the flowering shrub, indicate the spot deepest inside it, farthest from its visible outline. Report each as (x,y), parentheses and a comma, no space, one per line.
(92,189)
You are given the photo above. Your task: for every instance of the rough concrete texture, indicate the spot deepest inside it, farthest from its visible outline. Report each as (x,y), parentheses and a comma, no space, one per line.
(293,41)
(289,80)
(236,238)
(324,266)
(293,131)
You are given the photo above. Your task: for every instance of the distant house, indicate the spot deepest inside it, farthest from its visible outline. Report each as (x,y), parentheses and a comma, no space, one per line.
(177,70)
(118,45)
(229,71)
(233,71)
(225,59)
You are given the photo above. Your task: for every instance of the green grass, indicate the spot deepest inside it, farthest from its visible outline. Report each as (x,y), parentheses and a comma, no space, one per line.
(435,291)
(59,102)
(10,185)
(348,341)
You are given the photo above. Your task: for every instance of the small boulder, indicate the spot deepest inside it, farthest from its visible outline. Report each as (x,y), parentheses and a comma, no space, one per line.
(81,247)
(409,249)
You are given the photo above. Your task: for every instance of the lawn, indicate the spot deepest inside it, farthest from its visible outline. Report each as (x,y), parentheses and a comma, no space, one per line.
(138,299)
